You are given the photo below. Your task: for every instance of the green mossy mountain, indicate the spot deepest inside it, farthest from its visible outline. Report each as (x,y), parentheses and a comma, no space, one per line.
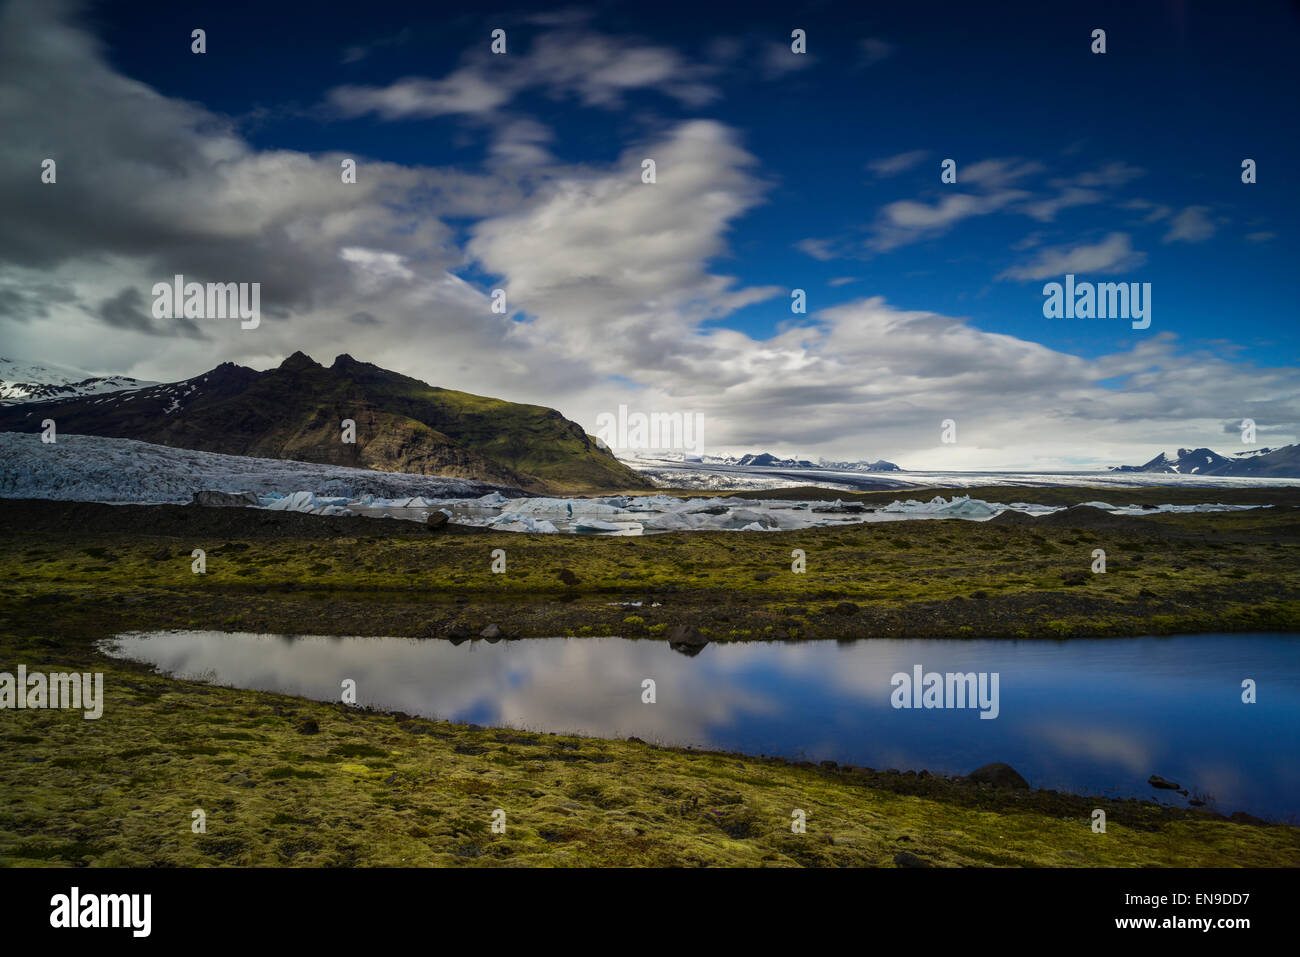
(295,412)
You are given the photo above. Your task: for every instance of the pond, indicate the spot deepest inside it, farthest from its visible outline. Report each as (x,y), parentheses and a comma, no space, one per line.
(1085,716)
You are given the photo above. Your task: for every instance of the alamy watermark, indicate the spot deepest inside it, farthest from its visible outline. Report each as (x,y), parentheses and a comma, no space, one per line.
(678,431)
(55,690)
(930,689)
(1103,300)
(75,909)
(214,300)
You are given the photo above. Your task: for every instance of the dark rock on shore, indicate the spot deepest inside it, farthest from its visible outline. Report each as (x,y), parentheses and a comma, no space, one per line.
(685,635)
(1089,516)
(437,519)
(999,775)
(1156,781)
(1012,517)
(686,640)
(907,859)
(225,499)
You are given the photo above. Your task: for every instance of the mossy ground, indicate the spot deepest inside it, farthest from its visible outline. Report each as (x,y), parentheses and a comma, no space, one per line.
(374,789)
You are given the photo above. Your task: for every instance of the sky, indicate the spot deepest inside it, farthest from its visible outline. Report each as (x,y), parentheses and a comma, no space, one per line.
(774,171)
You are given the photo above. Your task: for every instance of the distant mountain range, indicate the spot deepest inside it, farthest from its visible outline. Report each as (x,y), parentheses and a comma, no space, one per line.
(295,411)
(1265,463)
(31,382)
(768,460)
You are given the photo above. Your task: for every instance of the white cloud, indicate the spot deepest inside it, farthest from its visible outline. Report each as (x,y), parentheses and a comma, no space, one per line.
(874,50)
(571,61)
(779,60)
(1115,253)
(898,163)
(1190,226)
(614,275)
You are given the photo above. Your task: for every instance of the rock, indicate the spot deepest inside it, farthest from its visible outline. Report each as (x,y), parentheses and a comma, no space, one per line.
(999,775)
(686,640)
(1012,517)
(310,726)
(685,635)
(1156,781)
(490,632)
(1241,817)
(436,519)
(225,499)
(567,577)
(908,859)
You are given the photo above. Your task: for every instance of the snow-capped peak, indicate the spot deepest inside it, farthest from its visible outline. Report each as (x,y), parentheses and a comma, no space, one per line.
(25,381)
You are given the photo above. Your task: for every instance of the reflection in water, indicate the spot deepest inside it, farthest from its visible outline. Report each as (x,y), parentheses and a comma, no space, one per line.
(1084,716)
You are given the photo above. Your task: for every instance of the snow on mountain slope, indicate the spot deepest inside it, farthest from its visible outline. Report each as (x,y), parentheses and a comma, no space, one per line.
(1271,463)
(22,381)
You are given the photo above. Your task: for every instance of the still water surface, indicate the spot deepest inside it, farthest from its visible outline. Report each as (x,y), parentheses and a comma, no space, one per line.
(1087,716)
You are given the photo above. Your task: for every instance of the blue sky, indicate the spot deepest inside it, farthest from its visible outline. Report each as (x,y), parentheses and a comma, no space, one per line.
(819,172)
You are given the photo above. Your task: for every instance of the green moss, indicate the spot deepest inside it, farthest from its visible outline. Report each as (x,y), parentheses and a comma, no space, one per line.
(373,789)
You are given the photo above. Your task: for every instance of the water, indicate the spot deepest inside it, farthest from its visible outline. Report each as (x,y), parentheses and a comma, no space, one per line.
(1085,716)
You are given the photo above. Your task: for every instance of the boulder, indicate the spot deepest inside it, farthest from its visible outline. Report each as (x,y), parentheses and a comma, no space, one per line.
(436,519)
(490,632)
(1156,781)
(685,635)
(999,775)
(225,499)
(686,640)
(906,859)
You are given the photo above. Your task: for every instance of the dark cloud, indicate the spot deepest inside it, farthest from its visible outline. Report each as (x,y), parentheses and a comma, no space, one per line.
(129,310)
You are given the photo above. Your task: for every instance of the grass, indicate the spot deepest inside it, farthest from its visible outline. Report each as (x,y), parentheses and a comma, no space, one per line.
(285,781)
(367,789)
(1175,573)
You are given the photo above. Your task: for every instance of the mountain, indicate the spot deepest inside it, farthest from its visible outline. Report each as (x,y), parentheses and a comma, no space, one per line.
(1265,463)
(768,460)
(294,412)
(22,381)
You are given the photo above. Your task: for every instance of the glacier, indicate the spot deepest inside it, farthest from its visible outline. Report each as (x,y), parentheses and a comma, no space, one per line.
(98,469)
